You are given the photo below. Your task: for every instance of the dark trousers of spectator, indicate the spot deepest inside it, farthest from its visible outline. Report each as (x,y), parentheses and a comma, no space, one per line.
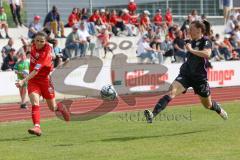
(16,14)
(225,53)
(121,26)
(180,54)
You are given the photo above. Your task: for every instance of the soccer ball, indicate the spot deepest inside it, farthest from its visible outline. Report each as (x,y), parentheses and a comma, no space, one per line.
(108,93)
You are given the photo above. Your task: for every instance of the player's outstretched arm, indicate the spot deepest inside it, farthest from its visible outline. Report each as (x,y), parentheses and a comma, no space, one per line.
(30,76)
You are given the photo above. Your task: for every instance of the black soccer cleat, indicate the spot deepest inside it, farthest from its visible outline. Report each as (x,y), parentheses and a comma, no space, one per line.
(149,116)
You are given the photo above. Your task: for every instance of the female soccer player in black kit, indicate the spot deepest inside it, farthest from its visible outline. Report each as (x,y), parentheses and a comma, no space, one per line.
(193,73)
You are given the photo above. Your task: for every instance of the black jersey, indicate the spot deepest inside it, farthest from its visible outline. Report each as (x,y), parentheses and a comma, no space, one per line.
(196,66)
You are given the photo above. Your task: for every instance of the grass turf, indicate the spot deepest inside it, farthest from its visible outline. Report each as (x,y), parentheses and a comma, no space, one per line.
(183,133)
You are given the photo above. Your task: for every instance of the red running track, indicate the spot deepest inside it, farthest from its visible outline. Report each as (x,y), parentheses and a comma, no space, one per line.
(12,112)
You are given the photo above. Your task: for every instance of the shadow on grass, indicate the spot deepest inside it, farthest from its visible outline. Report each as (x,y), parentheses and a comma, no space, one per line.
(62,145)
(18,139)
(130,138)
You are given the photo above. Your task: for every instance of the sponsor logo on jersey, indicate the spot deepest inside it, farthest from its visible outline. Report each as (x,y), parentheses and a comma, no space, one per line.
(37,66)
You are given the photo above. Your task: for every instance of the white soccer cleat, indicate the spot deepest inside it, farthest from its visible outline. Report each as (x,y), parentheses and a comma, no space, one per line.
(223,114)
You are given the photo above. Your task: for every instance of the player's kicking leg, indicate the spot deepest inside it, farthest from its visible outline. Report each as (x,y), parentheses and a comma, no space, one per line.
(175,89)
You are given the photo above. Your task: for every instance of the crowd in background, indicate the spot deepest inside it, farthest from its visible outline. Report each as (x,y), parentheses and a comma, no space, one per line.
(160,37)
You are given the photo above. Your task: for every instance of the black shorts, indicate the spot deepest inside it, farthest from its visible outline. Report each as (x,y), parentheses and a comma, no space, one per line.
(200,86)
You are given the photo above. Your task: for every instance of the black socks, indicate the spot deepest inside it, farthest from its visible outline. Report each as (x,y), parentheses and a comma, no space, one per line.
(216,107)
(161,105)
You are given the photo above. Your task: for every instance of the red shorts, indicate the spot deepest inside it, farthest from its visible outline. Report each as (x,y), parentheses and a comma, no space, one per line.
(42,87)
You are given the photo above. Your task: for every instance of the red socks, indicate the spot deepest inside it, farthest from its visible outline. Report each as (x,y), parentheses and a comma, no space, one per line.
(36,115)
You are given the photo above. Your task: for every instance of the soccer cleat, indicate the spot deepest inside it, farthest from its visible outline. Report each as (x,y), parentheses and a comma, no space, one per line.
(35,130)
(149,116)
(64,111)
(223,114)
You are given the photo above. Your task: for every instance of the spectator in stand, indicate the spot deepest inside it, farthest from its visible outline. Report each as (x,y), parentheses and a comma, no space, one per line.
(144,51)
(57,54)
(167,47)
(9,61)
(168,17)
(195,16)
(6,49)
(236,48)
(126,20)
(94,17)
(3,22)
(185,26)
(53,22)
(113,22)
(134,19)
(222,47)
(179,47)
(79,14)
(22,70)
(34,27)
(132,6)
(145,21)
(99,26)
(84,39)
(150,34)
(226,9)
(120,25)
(73,41)
(26,46)
(157,19)
(16,6)
(84,14)
(103,17)
(230,25)
(72,18)
(104,39)
(156,46)
(172,30)
(236,31)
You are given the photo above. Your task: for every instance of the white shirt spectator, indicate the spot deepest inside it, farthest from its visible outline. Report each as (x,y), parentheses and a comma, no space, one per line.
(83,34)
(142,46)
(230,25)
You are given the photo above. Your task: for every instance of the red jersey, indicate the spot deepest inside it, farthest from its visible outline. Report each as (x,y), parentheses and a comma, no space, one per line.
(168,18)
(113,19)
(144,20)
(41,61)
(132,6)
(157,19)
(72,19)
(94,18)
(126,18)
(103,18)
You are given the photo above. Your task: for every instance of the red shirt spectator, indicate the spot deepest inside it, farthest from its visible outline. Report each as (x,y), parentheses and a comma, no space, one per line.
(103,16)
(134,19)
(94,17)
(73,18)
(132,6)
(126,17)
(113,19)
(157,19)
(168,17)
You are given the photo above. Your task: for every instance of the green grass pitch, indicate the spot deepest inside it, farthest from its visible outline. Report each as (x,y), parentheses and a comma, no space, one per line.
(179,133)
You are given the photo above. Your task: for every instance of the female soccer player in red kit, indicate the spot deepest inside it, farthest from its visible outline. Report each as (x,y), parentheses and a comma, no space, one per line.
(39,82)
